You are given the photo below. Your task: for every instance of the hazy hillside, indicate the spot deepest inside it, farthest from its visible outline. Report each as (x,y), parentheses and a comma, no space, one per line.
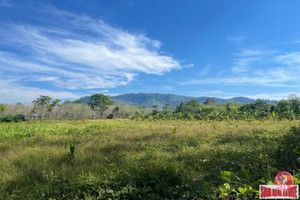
(150,99)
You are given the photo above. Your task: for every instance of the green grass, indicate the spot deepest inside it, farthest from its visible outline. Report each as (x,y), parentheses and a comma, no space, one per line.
(125,159)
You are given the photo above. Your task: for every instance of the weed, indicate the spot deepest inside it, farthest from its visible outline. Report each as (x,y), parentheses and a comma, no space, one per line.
(174,131)
(71,151)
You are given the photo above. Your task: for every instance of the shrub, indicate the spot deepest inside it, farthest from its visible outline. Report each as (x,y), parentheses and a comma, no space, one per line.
(13,118)
(289,150)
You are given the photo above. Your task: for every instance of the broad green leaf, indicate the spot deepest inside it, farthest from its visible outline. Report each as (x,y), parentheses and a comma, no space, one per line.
(224,194)
(228,176)
(242,190)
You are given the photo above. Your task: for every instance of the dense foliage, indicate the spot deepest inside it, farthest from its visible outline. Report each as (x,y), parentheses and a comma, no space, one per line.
(13,118)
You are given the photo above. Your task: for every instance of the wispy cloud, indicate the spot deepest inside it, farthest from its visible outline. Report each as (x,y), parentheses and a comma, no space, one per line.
(272,96)
(277,78)
(10,92)
(227,95)
(218,93)
(257,68)
(242,64)
(289,58)
(244,59)
(78,52)
(206,70)
(167,87)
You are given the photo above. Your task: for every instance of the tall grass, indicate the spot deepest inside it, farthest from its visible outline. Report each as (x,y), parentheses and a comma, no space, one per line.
(124,159)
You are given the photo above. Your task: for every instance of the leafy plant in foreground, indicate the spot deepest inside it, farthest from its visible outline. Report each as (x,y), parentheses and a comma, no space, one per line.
(236,187)
(71,151)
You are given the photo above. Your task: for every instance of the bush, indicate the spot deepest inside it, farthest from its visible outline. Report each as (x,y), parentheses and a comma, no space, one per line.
(13,118)
(289,150)
(150,183)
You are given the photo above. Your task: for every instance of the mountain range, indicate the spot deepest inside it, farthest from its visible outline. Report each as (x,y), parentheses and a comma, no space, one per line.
(150,99)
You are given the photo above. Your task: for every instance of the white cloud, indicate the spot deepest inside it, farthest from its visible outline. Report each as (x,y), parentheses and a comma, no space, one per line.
(253,52)
(71,79)
(206,70)
(167,87)
(226,95)
(247,57)
(272,96)
(78,52)
(219,93)
(289,58)
(270,80)
(257,68)
(242,64)
(10,92)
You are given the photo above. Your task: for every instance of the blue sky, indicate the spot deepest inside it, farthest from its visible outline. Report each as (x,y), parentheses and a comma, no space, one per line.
(73,48)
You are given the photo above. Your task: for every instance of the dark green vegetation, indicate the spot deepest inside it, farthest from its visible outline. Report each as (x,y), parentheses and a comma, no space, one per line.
(126,159)
(209,110)
(13,118)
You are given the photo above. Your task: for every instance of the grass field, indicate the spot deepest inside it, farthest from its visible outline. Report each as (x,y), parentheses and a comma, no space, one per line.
(125,159)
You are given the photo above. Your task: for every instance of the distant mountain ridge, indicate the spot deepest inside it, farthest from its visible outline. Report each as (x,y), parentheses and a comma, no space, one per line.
(150,99)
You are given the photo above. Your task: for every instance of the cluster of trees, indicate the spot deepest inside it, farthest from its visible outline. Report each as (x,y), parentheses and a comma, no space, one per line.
(284,109)
(209,110)
(101,106)
(45,107)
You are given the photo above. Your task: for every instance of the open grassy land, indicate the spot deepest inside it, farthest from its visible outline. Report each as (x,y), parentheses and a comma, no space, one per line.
(125,159)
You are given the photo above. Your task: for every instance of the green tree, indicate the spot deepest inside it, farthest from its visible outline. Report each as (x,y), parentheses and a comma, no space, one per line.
(166,107)
(210,101)
(44,104)
(247,108)
(227,107)
(40,105)
(78,101)
(42,100)
(155,109)
(261,106)
(179,108)
(193,103)
(295,103)
(115,113)
(100,102)
(259,109)
(52,104)
(282,106)
(192,106)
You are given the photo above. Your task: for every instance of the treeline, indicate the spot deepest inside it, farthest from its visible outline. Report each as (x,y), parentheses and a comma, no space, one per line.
(46,107)
(101,106)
